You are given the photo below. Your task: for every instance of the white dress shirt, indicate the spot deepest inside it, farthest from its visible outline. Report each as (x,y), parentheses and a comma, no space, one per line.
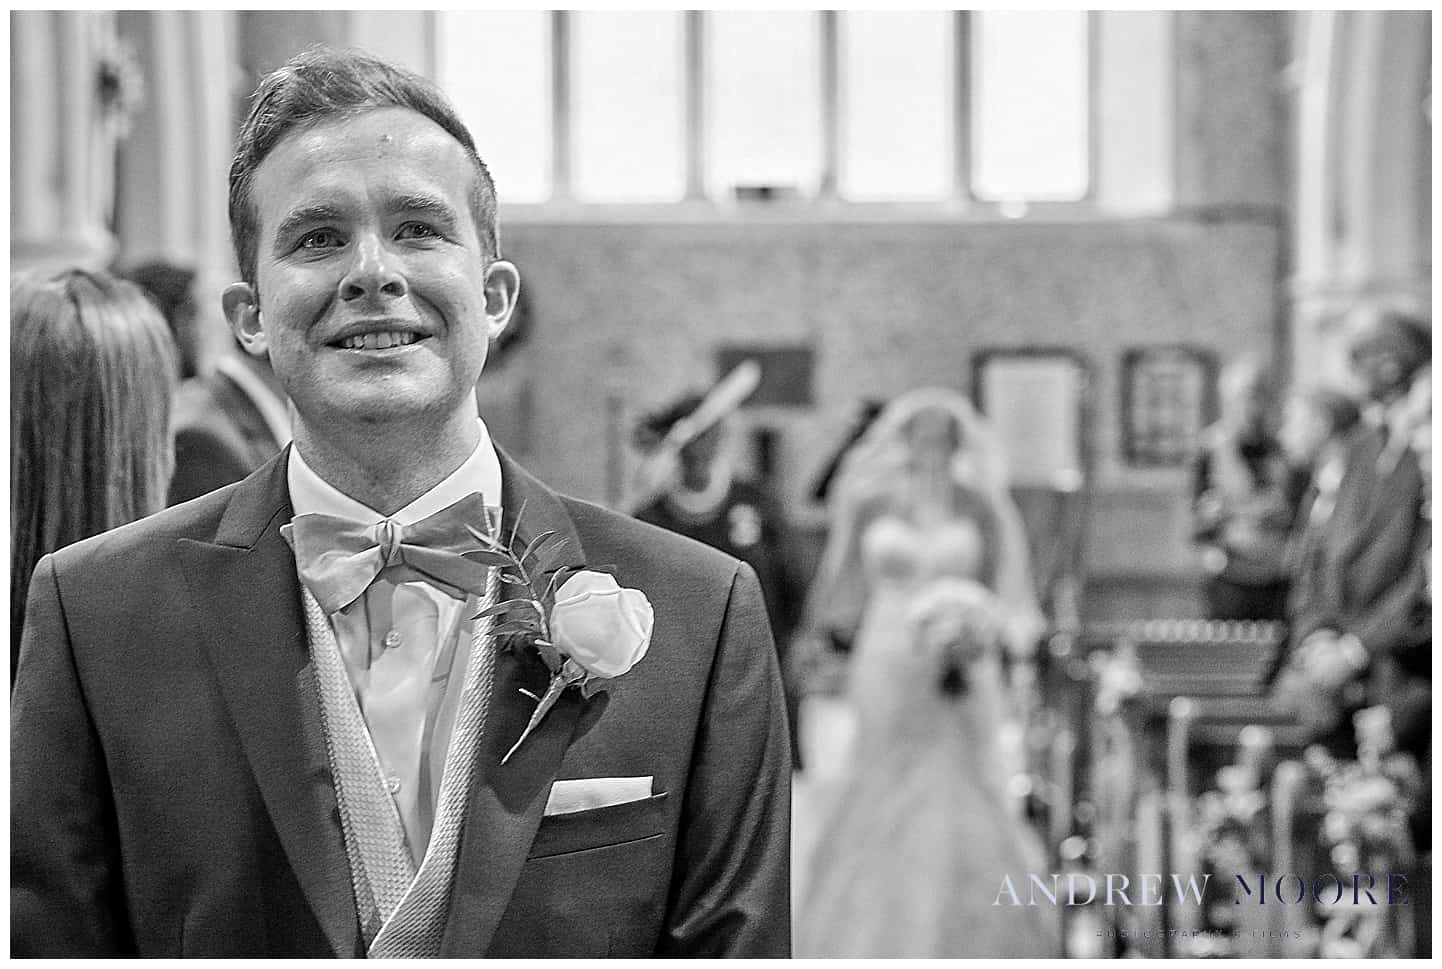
(405,645)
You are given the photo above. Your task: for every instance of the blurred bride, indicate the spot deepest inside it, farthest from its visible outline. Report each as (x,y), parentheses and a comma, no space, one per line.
(927,563)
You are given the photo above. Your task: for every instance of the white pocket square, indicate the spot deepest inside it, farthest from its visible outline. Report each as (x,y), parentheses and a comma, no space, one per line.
(589,793)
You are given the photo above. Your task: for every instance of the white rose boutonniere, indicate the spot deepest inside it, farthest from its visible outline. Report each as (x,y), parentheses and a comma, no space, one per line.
(585,627)
(604,628)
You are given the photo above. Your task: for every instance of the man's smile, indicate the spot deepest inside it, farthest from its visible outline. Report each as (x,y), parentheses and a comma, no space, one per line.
(378,341)
(378,335)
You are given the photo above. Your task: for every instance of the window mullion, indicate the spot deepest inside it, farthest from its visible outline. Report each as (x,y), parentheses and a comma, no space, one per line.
(695,73)
(962,110)
(830,104)
(1093,105)
(561,119)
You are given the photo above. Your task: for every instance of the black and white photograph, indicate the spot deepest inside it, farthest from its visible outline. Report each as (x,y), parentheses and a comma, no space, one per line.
(722,483)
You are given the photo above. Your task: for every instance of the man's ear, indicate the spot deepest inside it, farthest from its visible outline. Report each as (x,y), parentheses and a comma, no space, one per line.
(242,311)
(502,287)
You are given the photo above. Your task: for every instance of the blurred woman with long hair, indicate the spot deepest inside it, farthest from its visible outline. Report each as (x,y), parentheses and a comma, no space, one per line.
(927,572)
(92,370)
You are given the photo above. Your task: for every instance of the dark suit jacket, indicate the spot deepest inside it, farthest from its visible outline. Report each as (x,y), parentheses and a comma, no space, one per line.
(220,437)
(1361,572)
(170,794)
(1365,572)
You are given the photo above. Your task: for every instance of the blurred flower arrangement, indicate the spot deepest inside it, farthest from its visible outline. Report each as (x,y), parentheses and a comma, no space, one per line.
(1367,801)
(1361,808)
(960,621)
(1230,836)
(1366,804)
(1230,828)
(1118,677)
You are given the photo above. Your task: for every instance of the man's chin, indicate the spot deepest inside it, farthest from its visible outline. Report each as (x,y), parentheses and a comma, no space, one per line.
(383,411)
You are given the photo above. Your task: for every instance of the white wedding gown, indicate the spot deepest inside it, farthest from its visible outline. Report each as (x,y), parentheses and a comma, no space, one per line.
(914,849)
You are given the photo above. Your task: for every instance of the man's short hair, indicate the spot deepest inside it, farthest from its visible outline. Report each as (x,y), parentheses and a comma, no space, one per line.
(1394,330)
(323,84)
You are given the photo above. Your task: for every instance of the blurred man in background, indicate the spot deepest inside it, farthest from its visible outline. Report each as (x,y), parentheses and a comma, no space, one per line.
(1361,576)
(229,418)
(227,423)
(172,289)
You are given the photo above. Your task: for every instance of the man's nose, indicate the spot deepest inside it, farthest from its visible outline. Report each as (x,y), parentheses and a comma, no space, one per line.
(374,272)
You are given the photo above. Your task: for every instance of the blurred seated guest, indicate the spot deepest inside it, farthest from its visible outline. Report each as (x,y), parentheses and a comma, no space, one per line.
(1362,571)
(928,557)
(172,289)
(92,371)
(227,423)
(1243,513)
(701,496)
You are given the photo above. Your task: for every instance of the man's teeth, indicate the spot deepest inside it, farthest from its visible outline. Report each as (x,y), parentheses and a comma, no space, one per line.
(379,341)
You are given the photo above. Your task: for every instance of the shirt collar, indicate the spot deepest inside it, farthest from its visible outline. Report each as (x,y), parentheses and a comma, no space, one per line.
(481,472)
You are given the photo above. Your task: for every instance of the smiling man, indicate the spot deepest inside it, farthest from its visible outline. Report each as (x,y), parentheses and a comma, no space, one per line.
(280,719)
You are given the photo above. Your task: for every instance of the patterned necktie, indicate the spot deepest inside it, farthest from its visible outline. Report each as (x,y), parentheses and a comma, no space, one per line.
(337,558)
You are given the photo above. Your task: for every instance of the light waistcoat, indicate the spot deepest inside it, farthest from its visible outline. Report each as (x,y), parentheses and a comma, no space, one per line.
(404,679)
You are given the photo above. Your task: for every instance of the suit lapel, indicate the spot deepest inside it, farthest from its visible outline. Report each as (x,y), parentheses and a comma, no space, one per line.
(1370,496)
(507,800)
(1392,490)
(246,608)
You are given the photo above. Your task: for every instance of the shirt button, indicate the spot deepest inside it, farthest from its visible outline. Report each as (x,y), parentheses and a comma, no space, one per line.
(393,784)
(393,639)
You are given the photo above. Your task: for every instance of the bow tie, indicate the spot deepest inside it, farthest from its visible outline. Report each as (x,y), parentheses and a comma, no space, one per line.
(338,558)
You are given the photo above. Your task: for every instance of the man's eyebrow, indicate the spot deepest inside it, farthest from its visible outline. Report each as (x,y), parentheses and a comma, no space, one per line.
(435,207)
(307,215)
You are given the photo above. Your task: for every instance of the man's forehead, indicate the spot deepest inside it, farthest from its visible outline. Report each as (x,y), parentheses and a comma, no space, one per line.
(386,160)
(378,133)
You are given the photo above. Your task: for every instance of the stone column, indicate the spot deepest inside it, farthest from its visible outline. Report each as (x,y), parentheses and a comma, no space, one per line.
(1363,193)
(173,166)
(64,128)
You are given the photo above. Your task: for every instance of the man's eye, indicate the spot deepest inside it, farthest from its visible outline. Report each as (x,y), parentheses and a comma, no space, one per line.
(417,230)
(320,239)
